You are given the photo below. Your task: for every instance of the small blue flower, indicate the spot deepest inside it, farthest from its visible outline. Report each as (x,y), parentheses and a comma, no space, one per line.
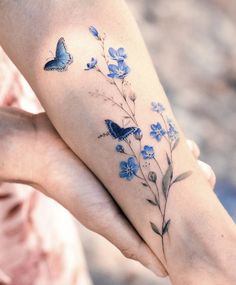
(157,107)
(157,131)
(119,71)
(94,32)
(148,152)
(92,64)
(120,148)
(138,134)
(172,132)
(118,55)
(128,169)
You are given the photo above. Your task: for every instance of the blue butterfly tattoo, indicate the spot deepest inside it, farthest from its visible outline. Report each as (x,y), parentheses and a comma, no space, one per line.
(62,59)
(118,132)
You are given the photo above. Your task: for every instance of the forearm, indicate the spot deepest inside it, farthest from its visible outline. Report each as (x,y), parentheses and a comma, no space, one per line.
(199,224)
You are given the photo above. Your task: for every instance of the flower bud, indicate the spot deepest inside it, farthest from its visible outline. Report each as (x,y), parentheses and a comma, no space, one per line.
(132,96)
(120,148)
(138,134)
(152,176)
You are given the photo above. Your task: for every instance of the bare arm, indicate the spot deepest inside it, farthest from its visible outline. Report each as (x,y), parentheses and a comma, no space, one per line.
(193,223)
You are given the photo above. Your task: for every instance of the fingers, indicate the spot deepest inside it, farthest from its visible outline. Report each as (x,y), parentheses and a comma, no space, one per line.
(130,244)
(208,172)
(206,168)
(193,148)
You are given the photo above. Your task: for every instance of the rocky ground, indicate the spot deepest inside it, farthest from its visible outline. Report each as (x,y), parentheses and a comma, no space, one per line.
(193,46)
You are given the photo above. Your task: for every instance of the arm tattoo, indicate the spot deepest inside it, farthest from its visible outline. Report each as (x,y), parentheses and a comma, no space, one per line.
(139,161)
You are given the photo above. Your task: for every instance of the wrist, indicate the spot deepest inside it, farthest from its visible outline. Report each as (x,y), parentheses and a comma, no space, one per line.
(204,243)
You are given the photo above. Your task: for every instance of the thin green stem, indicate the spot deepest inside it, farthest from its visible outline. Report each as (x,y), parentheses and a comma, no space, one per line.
(127,104)
(140,168)
(115,103)
(158,165)
(132,114)
(167,138)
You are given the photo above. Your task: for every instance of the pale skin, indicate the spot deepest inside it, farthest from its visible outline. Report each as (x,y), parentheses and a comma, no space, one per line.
(68,180)
(199,222)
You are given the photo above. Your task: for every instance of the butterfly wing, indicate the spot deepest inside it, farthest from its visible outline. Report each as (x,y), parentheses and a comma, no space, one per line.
(126,132)
(62,59)
(54,64)
(113,128)
(117,132)
(61,52)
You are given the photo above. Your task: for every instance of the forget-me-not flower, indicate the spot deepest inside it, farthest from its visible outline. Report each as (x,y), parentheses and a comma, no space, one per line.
(120,71)
(157,131)
(128,169)
(92,64)
(157,107)
(118,55)
(148,152)
(172,132)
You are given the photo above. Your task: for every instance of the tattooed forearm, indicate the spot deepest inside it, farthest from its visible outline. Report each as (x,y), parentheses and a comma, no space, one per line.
(140,161)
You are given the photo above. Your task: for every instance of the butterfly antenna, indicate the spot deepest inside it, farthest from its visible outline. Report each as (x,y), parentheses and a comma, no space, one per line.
(103,135)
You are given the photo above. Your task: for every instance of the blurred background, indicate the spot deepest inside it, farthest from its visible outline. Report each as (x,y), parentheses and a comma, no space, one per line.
(193,46)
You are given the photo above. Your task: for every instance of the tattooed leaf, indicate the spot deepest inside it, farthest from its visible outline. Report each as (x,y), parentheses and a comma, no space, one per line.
(144,184)
(167,180)
(155,229)
(175,144)
(165,227)
(168,159)
(152,202)
(182,176)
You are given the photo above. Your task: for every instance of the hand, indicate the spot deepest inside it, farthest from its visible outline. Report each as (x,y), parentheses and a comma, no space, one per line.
(33,153)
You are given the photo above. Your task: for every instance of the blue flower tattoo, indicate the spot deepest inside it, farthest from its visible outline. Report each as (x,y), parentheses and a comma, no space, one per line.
(128,169)
(172,132)
(119,71)
(118,55)
(142,164)
(94,32)
(148,152)
(157,131)
(92,64)
(157,107)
